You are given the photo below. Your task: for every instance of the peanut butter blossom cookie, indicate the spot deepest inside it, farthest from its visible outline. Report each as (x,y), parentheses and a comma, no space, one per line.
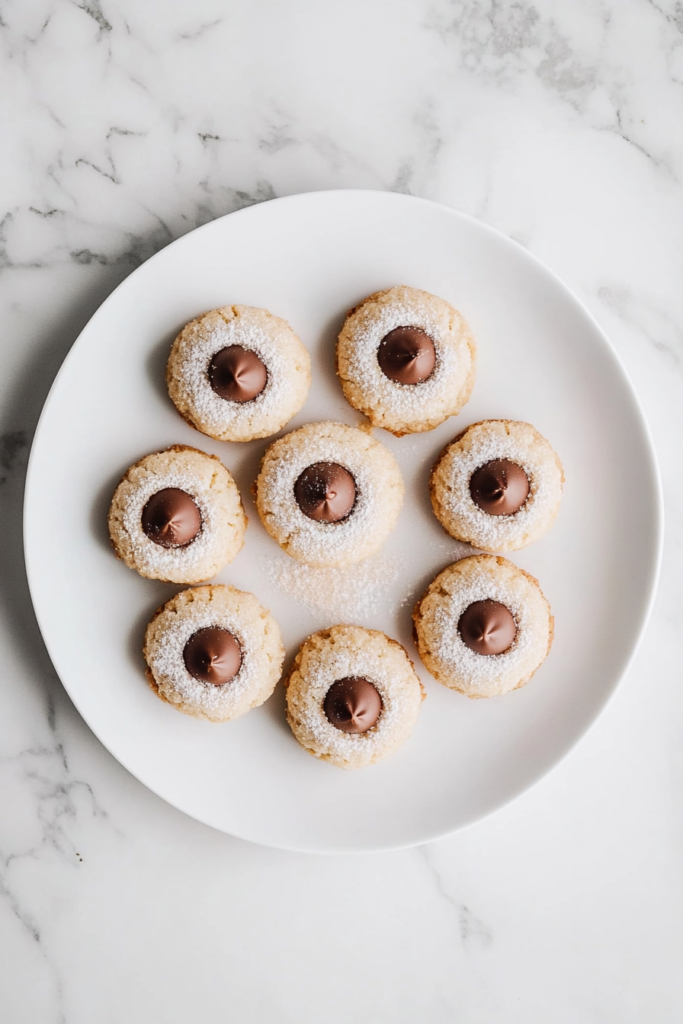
(329,494)
(177,516)
(483,627)
(352,696)
(406,359)
(238,373)
(213,652)
(497,486)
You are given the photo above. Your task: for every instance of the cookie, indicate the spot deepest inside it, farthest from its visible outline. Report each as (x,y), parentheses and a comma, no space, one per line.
(238,373)
(177,516)
(352,696)
(213,652)
(497,486)
(406,360)
(329,494)
(483,627)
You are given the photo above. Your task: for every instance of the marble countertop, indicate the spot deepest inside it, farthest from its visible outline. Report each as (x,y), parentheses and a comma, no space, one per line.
(127,124)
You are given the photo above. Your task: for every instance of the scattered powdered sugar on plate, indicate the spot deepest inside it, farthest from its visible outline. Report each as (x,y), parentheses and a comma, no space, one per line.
(348,594)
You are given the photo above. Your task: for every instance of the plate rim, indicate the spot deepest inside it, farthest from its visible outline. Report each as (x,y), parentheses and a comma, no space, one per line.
(656,497)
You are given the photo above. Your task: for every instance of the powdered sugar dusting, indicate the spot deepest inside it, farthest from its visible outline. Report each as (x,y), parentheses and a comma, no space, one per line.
(379,494)
(168,665)
(258,332)
(489,672)
(407,308)
(153,557)
(348,594)
(495,533)
(401,699)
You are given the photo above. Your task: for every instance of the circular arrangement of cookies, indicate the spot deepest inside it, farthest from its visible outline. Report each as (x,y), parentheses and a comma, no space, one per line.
(329,495)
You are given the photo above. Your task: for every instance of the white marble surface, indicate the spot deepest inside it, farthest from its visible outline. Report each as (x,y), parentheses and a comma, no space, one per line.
(127,123)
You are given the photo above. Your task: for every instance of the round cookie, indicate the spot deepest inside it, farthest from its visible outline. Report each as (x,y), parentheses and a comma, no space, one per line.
(329,494)
(497,486)
(238,373)
(213,652)
(406,360)
(177,516)
(483,627)
(352,696)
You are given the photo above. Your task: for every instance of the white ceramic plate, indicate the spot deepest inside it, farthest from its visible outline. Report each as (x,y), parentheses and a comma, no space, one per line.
(542,358)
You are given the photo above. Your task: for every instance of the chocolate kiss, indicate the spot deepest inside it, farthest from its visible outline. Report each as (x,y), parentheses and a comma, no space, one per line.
(353,704)
(325,492)
(213,655)
(499,487)
(237,374)
(487,627)
(406,355)
(171,518)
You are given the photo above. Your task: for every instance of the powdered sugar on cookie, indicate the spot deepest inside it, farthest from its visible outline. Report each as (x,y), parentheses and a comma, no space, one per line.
(347,651)
(274,342)
(402,408)
(214,607)
(482,443)
(214,492)
(379,494)
(441,647)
